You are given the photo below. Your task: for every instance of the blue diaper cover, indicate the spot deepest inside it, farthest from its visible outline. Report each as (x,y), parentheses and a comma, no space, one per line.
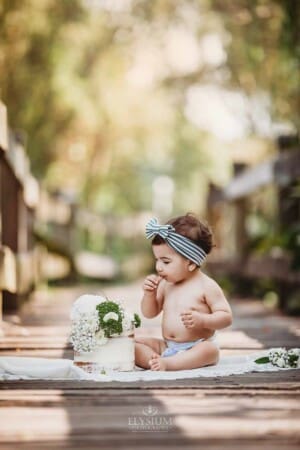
(177,347)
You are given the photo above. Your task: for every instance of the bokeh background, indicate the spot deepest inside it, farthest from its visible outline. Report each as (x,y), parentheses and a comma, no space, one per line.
(119,110)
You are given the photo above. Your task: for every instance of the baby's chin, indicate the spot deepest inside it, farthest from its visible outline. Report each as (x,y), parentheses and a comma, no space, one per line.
(172,280)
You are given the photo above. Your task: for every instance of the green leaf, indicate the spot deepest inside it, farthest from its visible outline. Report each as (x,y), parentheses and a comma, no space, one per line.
(263,360)
(137,320)
(111,326)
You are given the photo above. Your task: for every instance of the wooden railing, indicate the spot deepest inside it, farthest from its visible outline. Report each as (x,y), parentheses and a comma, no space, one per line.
(228,209)
(18,199)
(38,229)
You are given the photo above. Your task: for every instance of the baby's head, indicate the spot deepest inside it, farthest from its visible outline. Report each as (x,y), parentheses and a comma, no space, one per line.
(180,246)
(191,227)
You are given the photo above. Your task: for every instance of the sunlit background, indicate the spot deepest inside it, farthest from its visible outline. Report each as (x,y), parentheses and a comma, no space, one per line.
(133,108)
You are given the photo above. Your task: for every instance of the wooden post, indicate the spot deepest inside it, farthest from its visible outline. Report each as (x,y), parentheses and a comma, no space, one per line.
(10,220)
(287,172)
(214,210)
(240,207)
(1,268)
(3,148)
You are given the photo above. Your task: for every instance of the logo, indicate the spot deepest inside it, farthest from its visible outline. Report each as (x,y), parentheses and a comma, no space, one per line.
(150,420)
(150,410)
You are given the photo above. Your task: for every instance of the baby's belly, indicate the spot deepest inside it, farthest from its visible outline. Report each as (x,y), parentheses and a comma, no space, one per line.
(173,329)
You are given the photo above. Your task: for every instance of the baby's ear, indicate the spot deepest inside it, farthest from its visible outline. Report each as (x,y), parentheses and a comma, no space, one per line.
(192,266)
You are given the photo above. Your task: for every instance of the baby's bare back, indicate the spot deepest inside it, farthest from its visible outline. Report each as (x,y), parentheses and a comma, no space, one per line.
(179,298)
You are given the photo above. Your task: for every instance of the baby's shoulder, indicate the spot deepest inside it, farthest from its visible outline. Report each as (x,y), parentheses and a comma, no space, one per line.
(209,283)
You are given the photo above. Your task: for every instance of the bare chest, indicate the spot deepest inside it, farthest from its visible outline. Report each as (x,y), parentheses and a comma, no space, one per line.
(176,301)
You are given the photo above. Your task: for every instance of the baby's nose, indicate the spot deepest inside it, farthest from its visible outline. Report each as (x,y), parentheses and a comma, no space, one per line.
(158,267)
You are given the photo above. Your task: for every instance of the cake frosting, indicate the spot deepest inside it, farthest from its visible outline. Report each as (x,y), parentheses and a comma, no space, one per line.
(102,334)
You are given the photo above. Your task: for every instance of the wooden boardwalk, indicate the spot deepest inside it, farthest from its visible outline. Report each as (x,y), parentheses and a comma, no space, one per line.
(249,411)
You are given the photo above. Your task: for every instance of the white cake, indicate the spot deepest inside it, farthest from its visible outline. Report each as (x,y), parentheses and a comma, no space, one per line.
(102,340)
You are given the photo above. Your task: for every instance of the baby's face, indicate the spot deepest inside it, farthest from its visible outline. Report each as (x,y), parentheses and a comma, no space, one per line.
(170,265)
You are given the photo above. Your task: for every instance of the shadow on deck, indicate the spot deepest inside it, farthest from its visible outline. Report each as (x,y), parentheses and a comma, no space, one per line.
(216,412)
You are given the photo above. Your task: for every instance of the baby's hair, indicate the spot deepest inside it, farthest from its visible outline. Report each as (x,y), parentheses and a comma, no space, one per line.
(191,227)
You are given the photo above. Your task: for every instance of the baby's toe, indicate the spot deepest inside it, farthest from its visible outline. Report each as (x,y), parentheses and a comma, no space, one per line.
(154,364)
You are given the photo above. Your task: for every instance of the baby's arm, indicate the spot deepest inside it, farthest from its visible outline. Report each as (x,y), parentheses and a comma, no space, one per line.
(220,316)
(153,297)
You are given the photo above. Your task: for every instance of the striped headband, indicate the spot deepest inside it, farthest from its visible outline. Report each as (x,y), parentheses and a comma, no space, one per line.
(177,242)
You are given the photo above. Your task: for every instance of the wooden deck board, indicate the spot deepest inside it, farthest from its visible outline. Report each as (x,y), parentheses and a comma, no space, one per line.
(241,411)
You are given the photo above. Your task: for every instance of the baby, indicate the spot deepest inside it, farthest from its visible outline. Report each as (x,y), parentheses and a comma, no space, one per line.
(193,304)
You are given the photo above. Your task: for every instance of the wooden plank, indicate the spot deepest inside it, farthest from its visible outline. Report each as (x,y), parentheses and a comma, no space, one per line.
(249,181)
(8,269)
(281,170)
(287,380)
(246,419)
(266,266)
(3,127)
(101,394)
(250,410)
(89,444)
(150,443)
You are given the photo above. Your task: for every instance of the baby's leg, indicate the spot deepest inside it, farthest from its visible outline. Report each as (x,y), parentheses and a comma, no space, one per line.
(202,354)
(145,348)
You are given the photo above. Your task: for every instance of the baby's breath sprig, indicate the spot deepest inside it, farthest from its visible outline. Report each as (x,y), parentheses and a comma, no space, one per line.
(83,333)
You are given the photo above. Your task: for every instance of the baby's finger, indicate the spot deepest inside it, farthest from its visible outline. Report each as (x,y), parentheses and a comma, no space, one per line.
(186,321)
(186,316)
(154,278)
(149,286)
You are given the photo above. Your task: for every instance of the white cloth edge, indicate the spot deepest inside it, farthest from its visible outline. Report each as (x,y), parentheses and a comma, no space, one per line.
(27,368)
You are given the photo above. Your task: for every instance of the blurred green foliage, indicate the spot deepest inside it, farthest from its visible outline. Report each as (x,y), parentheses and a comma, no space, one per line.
(64,71)
(264,53)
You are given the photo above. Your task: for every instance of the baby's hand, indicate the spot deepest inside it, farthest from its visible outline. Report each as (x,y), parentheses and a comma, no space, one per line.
(192,319)
(151,283)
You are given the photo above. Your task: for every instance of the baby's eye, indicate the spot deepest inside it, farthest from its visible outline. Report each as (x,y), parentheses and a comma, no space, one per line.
(166,262)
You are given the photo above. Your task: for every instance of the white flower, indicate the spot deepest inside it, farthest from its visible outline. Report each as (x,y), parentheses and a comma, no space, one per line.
(294,351)
(85,304)
(100,338)
(280,362)
(110,316)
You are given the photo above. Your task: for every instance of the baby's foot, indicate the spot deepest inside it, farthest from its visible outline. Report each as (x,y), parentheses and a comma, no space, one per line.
(157,363)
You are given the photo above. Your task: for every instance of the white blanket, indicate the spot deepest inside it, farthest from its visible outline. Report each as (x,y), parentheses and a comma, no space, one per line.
(25,368)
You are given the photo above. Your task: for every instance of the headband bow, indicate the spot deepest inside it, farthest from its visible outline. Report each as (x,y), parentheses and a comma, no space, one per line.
(153,228)
(176,241)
